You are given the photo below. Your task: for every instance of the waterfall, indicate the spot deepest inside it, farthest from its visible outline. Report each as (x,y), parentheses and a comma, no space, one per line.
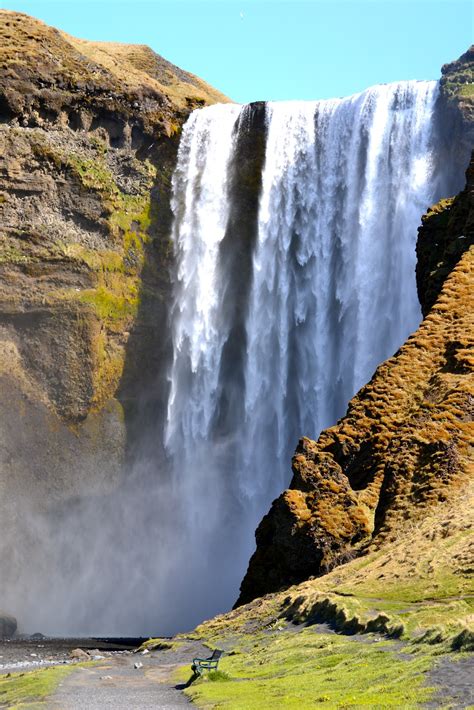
(325,288)
(294,233)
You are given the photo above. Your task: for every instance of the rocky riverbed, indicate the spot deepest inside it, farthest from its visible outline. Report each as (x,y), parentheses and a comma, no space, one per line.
(38,651)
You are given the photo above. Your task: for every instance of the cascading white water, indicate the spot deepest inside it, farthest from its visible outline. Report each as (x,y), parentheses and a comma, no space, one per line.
(200,204)
(332,294)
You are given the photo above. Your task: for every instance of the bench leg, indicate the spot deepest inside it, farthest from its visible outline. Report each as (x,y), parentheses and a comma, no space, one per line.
(194,677)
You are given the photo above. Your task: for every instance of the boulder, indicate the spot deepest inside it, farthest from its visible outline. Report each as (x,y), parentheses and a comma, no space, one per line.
(8,625)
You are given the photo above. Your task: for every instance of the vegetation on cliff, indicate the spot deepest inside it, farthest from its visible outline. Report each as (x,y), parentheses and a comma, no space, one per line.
(457,79)
(88,140)
(456,108)
(87,136)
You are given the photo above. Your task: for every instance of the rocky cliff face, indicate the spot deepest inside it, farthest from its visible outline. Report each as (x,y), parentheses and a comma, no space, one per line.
(88,139)
(446,233)
(456,108)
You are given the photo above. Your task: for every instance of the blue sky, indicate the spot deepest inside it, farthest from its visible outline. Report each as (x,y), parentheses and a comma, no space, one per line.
(278,49)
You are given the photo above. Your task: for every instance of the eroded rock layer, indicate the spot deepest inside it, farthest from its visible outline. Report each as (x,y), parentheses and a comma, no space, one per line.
(88,139)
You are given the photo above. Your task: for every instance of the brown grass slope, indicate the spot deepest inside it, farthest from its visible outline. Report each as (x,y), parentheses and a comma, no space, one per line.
(45,60)
(420,581)
(405,445)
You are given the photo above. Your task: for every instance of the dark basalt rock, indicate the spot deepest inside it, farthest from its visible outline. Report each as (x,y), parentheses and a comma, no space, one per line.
(447,231)
(8,625)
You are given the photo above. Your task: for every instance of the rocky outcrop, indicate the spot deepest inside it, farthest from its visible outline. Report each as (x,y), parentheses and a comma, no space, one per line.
(405,444)
(88,139)
(457,105)
(447,231)
(8,625)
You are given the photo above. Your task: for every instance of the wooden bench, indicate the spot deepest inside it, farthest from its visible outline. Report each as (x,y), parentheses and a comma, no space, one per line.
(206,664)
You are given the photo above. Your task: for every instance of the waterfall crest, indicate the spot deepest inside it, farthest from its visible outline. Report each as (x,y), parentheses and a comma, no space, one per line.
(331,293)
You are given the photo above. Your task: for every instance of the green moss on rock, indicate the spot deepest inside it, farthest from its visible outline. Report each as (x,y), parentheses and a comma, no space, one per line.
(93,174)
(111,307)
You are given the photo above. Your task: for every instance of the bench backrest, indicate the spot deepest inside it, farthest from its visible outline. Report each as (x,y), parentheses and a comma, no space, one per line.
(216,655)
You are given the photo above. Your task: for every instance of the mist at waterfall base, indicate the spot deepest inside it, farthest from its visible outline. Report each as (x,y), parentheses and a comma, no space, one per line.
(283,307)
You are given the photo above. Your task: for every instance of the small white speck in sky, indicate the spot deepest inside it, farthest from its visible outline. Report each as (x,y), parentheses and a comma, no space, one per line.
(242,15)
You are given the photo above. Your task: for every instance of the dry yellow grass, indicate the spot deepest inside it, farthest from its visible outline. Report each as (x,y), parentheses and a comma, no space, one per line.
(31,49)
(134,64)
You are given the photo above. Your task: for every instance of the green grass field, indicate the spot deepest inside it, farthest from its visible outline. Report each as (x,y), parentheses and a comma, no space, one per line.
(305,669)
(19,691)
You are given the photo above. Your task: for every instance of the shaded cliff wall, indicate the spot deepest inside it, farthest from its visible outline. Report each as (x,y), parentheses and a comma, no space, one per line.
(456,115)
(446,233)
(88,136)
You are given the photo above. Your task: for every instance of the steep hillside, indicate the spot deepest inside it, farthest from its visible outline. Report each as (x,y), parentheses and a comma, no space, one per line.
(405,444)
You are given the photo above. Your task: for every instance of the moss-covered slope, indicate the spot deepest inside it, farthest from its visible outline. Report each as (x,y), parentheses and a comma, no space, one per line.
(391,629)
(403,617)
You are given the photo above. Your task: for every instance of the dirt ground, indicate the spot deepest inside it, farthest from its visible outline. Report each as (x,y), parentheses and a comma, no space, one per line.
(454,676)
(117,684)
(113,681)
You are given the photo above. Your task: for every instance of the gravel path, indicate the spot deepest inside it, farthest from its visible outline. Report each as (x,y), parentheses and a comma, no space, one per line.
(454,680)
(116,684)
